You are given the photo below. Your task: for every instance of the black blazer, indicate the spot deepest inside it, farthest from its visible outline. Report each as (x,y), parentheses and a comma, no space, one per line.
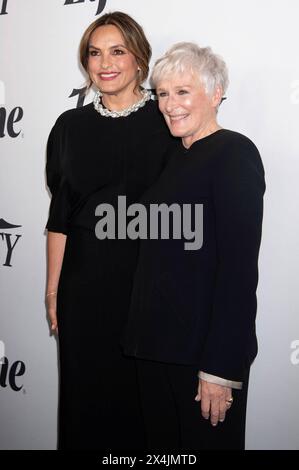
(199,307)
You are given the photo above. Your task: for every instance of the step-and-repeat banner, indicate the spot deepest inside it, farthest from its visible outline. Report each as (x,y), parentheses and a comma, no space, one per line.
(40,78)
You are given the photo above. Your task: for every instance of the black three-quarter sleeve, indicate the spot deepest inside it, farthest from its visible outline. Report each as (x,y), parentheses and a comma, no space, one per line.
(56,180)
(238,188)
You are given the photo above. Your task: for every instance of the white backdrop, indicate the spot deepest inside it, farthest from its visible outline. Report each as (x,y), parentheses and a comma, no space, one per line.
(38,71)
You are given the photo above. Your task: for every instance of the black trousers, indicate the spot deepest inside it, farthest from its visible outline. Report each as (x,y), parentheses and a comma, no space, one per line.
(173,418)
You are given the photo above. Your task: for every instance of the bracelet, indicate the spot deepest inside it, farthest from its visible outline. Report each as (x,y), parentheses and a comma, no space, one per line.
(51,293)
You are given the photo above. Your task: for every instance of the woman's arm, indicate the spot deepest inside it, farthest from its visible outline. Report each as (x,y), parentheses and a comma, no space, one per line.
(238,188)
(55,253)
(231,341)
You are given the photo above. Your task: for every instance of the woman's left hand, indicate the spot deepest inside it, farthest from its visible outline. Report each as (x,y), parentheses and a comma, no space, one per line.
(215,401)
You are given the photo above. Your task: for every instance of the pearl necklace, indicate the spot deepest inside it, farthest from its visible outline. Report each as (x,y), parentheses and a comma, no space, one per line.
(146,96)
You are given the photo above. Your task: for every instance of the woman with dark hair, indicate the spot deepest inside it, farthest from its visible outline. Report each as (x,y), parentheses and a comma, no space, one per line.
(114,146)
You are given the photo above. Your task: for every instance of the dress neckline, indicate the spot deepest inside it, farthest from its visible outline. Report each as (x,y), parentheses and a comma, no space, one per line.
(201,141)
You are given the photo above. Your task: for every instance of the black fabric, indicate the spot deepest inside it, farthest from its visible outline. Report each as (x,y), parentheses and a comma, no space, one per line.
(199,307)
(172,417)
(91,160)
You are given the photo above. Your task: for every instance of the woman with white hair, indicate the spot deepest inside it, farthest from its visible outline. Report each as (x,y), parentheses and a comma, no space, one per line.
(192,316)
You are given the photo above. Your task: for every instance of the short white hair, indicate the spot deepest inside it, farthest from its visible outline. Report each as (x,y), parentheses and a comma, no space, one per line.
(188,56)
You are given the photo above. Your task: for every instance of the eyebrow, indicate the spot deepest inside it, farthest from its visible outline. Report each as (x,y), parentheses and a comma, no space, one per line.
(112,47)
(177,87)
(183,86)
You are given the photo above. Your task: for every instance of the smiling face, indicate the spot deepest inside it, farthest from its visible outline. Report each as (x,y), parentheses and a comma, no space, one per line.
(189,112)
(111,66)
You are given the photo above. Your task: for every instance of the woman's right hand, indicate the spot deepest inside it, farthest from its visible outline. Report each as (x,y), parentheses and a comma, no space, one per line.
(51,301)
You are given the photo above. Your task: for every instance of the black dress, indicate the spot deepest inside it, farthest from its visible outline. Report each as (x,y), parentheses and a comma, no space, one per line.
(195,310)
(91,160)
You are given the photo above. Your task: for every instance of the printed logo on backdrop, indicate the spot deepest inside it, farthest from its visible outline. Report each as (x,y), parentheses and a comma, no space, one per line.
(3,7)
(81,93)
(10,372)
(9,117)
(8,242)
(101,4)
(2,352)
